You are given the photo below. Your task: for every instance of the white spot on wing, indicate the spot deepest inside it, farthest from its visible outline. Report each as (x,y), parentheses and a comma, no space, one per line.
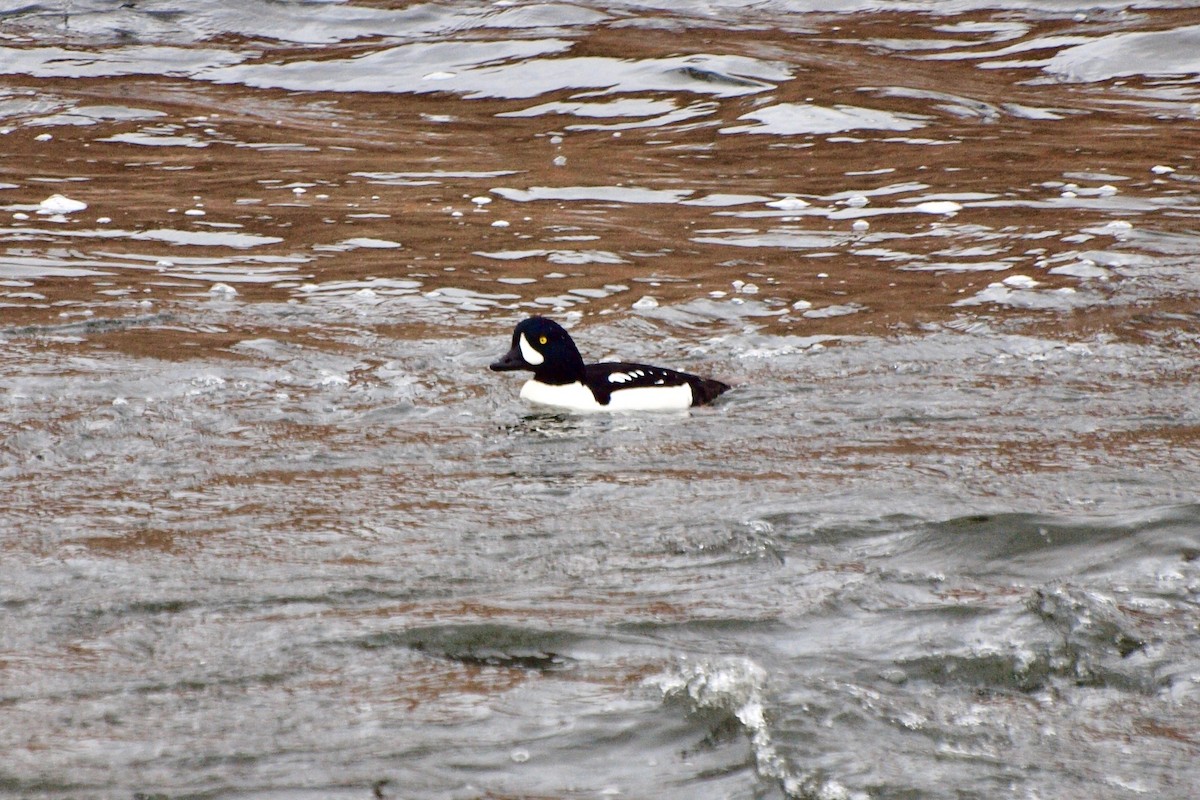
(531,355)
(619,377)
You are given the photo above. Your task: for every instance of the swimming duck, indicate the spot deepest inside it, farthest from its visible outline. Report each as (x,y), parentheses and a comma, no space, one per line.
(562,380)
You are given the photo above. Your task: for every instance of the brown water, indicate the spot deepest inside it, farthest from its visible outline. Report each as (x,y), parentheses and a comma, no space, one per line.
(273,530)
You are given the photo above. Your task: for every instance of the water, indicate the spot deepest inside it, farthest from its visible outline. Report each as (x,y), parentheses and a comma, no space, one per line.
(272,529)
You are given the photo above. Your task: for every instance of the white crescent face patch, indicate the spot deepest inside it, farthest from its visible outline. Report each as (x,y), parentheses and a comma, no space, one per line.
(528,352)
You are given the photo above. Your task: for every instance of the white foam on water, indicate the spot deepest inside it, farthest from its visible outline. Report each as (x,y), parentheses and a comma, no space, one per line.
(207,238)
(938,207)
(1000,294)
(610,194)
(509,68)
(789,203)
(555,256)
(1166,52)
(60,204)
(332,380)
(789,119)
(152,138)
(1020,282)
(629,107)
(827,312)
(718,200)
(781,238)
(738,686)
(378,286)
(1085,268)
(370,244)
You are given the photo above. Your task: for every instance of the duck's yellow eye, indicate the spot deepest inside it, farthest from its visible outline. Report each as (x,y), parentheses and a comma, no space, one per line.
(541,340)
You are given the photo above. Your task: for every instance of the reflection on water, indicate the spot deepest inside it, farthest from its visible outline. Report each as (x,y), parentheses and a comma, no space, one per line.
(273,528)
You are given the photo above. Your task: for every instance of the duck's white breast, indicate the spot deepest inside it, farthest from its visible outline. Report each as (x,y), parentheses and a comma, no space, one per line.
(574,396)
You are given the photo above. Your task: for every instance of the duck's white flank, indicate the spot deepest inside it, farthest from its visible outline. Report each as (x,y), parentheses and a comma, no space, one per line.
(578,397)
(652,398)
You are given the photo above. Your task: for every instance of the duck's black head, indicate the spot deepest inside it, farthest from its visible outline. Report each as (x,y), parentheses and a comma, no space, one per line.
(545,348)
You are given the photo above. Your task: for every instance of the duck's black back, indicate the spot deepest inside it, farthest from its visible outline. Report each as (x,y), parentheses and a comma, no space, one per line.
(600,378)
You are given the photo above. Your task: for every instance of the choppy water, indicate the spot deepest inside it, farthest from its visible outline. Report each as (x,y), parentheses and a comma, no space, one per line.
(272,529)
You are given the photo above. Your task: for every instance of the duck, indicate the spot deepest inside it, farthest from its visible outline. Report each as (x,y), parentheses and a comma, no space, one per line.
(562,380)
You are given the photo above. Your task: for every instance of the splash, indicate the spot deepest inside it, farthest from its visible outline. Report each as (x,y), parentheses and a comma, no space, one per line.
(737,687)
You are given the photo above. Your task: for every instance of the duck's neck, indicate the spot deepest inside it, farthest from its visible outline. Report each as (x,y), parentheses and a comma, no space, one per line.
(564,369)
